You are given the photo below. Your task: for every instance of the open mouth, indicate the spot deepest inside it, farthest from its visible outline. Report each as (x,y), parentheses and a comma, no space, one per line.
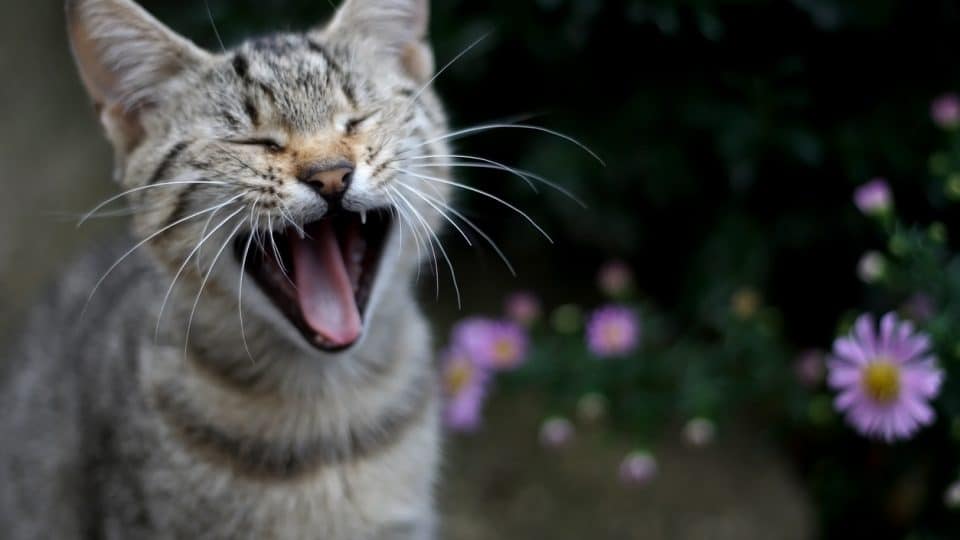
(321,278)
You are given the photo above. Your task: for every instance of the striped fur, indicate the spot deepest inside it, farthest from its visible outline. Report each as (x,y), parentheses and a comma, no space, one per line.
(117,426)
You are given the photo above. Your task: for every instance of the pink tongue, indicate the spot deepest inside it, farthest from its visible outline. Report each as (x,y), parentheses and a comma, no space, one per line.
(323,286)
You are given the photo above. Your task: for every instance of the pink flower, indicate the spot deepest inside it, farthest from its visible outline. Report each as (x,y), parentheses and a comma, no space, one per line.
(945,111)
(523,308)
(613,331)
(615,278)
(491,344)
(874,197)
(638,468)
(885,380)
(465,388)
(556,432)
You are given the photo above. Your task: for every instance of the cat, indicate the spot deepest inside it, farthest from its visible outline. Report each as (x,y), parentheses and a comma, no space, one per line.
(252,362)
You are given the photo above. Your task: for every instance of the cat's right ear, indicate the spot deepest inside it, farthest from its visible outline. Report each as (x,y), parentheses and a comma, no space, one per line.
(124,56)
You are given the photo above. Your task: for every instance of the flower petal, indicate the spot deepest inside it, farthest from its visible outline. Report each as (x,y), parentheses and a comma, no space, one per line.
(888,325)
(843,375)
(863,330)
(849,349)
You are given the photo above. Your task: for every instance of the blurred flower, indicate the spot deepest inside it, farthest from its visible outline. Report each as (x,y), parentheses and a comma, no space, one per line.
(874,197)
(920,307)
(951,497)
(745,303)
(492,344)
(884,379)
(937,232)
(809,368)
(699,432)
(615,279)
(638,468)
(872,267)
(556,432)
(592,407)
(465,388)
(523,308)
(613,331)
(567,319)
(945,111)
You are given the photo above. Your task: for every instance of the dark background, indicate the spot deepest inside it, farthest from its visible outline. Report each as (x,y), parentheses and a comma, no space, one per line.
(734,133)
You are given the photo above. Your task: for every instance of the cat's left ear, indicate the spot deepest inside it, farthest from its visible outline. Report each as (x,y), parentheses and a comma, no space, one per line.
(399,26)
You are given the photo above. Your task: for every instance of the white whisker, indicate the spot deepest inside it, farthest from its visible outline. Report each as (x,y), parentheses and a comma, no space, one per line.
(143,188)
(446,67)
(176,277)
(479,231)
(480,192)
(436,239)
(147,239)
(479,129)
(456,226)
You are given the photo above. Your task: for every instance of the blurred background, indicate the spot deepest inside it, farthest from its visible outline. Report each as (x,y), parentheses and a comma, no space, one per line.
(734,134)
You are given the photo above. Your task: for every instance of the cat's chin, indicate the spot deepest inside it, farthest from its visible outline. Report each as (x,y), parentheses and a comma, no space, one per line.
(322,276)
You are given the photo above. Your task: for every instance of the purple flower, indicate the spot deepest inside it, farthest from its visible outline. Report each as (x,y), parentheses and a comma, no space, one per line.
(556,432)
(638,468)
(885,380)
(945,111)
(809,368)
(615,278)
(523,308)
(465,388)
(874,197)
(613,331)
(491,344)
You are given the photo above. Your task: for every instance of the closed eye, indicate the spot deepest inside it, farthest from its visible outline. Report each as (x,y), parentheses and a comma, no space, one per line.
(270,144)
(351,126)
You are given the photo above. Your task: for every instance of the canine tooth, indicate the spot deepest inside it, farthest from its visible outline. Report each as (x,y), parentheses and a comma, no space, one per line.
(363,217)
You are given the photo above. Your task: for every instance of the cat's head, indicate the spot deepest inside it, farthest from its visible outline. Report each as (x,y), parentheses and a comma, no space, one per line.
(279,161)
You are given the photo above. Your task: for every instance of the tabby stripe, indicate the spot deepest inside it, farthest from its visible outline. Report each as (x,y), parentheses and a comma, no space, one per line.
(260,458)
(345,86)
(252,112)
(180,210)
(164,167)
(241,66)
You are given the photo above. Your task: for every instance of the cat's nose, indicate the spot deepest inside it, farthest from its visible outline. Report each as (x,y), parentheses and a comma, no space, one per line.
(329,179)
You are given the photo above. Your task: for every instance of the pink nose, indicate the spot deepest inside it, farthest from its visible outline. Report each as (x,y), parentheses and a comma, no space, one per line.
(330,180)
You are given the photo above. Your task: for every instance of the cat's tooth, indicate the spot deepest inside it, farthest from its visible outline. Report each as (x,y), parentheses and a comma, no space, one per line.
(363,217)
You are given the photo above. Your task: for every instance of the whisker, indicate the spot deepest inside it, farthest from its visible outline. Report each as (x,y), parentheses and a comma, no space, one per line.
(203,284)
(479,129)
(447,66)
(489,164)
(143,188)
(480,192)
(243,266)
(176,277)
(479,231)
(213,24)
(404,215)
(436,239)
(148,239)
(456,226)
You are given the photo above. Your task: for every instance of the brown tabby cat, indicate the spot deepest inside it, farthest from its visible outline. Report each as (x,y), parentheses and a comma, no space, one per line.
(253,363)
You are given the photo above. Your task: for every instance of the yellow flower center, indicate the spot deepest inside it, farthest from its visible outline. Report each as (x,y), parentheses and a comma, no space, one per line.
(457,377)
(504,351)
(881,381)
(613,334)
